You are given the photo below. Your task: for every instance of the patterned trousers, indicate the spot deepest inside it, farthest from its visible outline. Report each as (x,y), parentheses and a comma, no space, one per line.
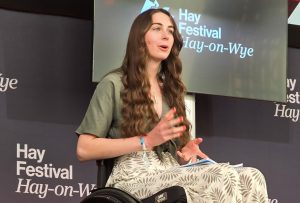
(143,176)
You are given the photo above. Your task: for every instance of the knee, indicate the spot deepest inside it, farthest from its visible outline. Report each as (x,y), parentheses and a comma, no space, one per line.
(252,174)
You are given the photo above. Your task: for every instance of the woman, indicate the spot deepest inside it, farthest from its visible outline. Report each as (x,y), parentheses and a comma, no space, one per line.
(137,114)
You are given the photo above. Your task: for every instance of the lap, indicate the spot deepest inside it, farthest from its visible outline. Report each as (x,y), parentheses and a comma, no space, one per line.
(143,178)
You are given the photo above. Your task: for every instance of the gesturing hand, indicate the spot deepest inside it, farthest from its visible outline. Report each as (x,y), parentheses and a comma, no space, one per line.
(165,130)
(191,150)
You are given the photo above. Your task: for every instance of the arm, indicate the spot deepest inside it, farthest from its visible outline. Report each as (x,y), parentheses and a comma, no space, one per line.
(90,147)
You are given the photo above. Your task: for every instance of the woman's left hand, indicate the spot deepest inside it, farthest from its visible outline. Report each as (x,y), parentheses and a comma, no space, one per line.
(190,151)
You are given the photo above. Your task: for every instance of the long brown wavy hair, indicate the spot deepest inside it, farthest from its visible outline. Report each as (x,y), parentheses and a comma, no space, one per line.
(139,115)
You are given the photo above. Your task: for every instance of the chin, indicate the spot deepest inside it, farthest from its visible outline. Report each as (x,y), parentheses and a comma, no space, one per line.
(160,57)
(163,57)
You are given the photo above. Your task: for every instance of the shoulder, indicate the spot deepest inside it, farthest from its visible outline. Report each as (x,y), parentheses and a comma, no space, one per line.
(110,83)
(114,78)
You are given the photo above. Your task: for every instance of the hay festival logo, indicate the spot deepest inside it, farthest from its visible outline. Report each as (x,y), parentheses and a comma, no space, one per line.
(7,83)
(151,4)
(292,111)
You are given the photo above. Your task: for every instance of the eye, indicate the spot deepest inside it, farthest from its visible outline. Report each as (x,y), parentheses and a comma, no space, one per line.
(171,31)
(156,28)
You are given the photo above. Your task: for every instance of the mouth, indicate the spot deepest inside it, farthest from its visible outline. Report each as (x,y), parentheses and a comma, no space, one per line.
(164,47)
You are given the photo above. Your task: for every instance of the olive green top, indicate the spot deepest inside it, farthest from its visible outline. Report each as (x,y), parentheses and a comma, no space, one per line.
(103,116)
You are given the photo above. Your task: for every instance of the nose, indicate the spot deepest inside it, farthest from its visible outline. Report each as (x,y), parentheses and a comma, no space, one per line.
(165,34)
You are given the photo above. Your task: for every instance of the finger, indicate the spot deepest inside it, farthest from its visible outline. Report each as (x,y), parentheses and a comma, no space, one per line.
(170,114)
(201,154)
(175,130)
(193,159)
(197,141)
(173,122)
(183,156)
(180,154)
(166,124)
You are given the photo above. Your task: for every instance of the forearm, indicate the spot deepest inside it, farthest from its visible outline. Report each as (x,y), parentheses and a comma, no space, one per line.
(90,147)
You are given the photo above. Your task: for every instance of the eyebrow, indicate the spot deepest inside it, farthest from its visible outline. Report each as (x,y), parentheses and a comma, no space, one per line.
(170,26)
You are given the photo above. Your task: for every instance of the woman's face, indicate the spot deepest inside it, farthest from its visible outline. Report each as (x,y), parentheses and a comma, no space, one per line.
(159,38)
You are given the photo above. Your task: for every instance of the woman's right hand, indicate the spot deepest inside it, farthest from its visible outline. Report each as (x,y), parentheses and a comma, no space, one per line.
(166,129)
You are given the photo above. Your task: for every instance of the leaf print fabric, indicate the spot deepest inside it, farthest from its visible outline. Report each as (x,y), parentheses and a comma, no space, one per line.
(213,183)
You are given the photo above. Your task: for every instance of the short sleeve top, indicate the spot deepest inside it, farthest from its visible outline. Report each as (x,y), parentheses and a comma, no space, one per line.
(103,117)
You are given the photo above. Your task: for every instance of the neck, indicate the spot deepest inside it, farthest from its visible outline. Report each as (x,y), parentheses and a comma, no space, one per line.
(152,71)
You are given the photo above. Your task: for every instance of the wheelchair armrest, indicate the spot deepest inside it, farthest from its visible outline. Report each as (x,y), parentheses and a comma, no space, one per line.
(104,170)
